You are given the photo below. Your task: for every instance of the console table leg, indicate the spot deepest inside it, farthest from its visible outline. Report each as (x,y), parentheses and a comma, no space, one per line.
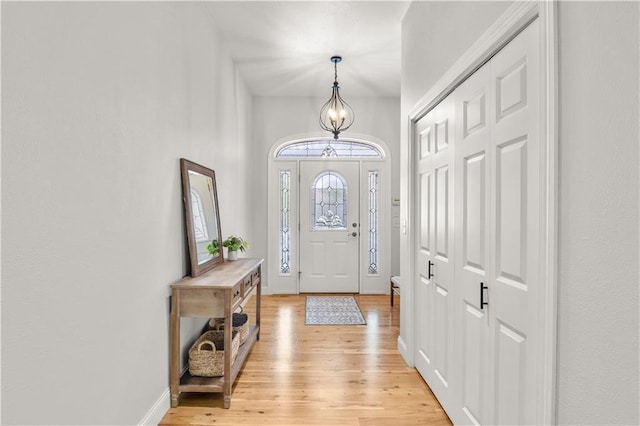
(175,349)
(227,401)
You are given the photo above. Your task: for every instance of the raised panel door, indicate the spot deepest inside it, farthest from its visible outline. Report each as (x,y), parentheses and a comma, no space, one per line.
(434,266)
(516,220)
(425,294)
(472,266)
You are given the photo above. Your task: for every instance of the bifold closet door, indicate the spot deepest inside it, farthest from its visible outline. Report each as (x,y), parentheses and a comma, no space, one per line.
(434,257)
(516,203)
(477,259)
(473,266)
(497,204)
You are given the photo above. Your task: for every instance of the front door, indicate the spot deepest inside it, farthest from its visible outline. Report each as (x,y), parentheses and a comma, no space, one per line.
(329,226)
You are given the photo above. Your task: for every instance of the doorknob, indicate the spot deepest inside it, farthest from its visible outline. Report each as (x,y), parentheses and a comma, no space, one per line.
(354,234)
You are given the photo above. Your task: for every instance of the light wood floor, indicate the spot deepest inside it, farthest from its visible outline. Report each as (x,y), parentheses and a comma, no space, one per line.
(320,375)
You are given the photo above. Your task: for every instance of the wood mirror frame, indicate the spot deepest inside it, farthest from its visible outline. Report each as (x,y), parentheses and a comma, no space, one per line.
(202,216)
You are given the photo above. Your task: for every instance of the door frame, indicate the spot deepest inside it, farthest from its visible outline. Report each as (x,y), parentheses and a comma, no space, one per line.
(506,27)
(289,283)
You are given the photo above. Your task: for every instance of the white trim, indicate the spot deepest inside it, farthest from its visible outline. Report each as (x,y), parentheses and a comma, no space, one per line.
(402,348)
(158,410)
(514,20)
(1,304)
(407,266)
(549,74)
(407,303)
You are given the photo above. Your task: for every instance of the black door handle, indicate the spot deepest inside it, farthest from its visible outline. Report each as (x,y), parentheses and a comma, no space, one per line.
(429,273)
(482,289)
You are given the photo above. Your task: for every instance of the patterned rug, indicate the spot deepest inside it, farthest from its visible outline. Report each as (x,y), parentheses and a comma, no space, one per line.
(333,310)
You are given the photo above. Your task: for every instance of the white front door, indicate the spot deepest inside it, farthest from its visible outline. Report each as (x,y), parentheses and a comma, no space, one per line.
(329,226)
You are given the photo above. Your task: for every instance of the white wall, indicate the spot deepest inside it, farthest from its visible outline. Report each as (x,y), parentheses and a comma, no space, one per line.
(99,102)
(598,243)
(597,354)
(275,118)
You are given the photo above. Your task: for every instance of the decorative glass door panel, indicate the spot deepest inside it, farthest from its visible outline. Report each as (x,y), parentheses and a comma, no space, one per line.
(329,208)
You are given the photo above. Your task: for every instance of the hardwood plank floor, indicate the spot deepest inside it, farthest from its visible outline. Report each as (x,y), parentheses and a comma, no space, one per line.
(320,375)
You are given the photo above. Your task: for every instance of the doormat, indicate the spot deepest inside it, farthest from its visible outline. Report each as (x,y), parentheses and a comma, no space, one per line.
(333,310)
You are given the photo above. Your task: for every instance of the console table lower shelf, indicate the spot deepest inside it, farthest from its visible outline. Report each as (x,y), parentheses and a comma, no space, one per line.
(189,383)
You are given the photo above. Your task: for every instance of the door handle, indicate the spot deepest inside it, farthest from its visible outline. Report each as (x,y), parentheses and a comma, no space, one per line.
(353,234)
(429,272)
(482,289)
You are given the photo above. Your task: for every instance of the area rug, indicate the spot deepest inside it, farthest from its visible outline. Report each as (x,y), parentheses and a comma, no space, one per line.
(333,310)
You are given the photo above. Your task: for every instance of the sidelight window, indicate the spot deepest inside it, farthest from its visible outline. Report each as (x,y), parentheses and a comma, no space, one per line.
(373,222)
(285,216)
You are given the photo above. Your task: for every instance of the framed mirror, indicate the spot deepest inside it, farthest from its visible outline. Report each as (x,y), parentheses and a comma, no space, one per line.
(202,216)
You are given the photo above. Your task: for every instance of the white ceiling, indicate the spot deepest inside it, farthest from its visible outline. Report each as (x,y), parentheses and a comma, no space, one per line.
(283,48)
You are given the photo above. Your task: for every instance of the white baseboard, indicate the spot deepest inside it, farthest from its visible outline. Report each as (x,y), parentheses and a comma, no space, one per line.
(402,348)
(160,407)
(158,410)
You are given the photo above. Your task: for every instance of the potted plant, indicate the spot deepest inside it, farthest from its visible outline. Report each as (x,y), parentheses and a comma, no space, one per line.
(213,248)
(233,244)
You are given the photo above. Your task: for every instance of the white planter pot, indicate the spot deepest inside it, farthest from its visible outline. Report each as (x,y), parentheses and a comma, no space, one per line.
(232,255)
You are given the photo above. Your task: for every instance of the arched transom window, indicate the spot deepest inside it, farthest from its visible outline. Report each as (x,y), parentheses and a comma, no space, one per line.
(329,148)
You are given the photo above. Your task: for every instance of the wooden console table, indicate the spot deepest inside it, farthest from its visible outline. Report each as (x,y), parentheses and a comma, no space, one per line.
(216,293)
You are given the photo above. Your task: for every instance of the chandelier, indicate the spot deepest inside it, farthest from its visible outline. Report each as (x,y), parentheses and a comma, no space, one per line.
(336,115)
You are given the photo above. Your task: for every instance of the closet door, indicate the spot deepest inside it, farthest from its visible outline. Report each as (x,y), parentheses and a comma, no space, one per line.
(473,268)
(485,279)
(434,264)
(516,202)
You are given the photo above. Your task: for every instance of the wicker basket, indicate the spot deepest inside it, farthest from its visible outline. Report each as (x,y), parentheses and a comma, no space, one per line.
(206,355)
(240,323)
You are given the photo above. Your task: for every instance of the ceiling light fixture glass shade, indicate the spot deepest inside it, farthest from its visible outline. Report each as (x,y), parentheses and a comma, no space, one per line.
(336,115)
